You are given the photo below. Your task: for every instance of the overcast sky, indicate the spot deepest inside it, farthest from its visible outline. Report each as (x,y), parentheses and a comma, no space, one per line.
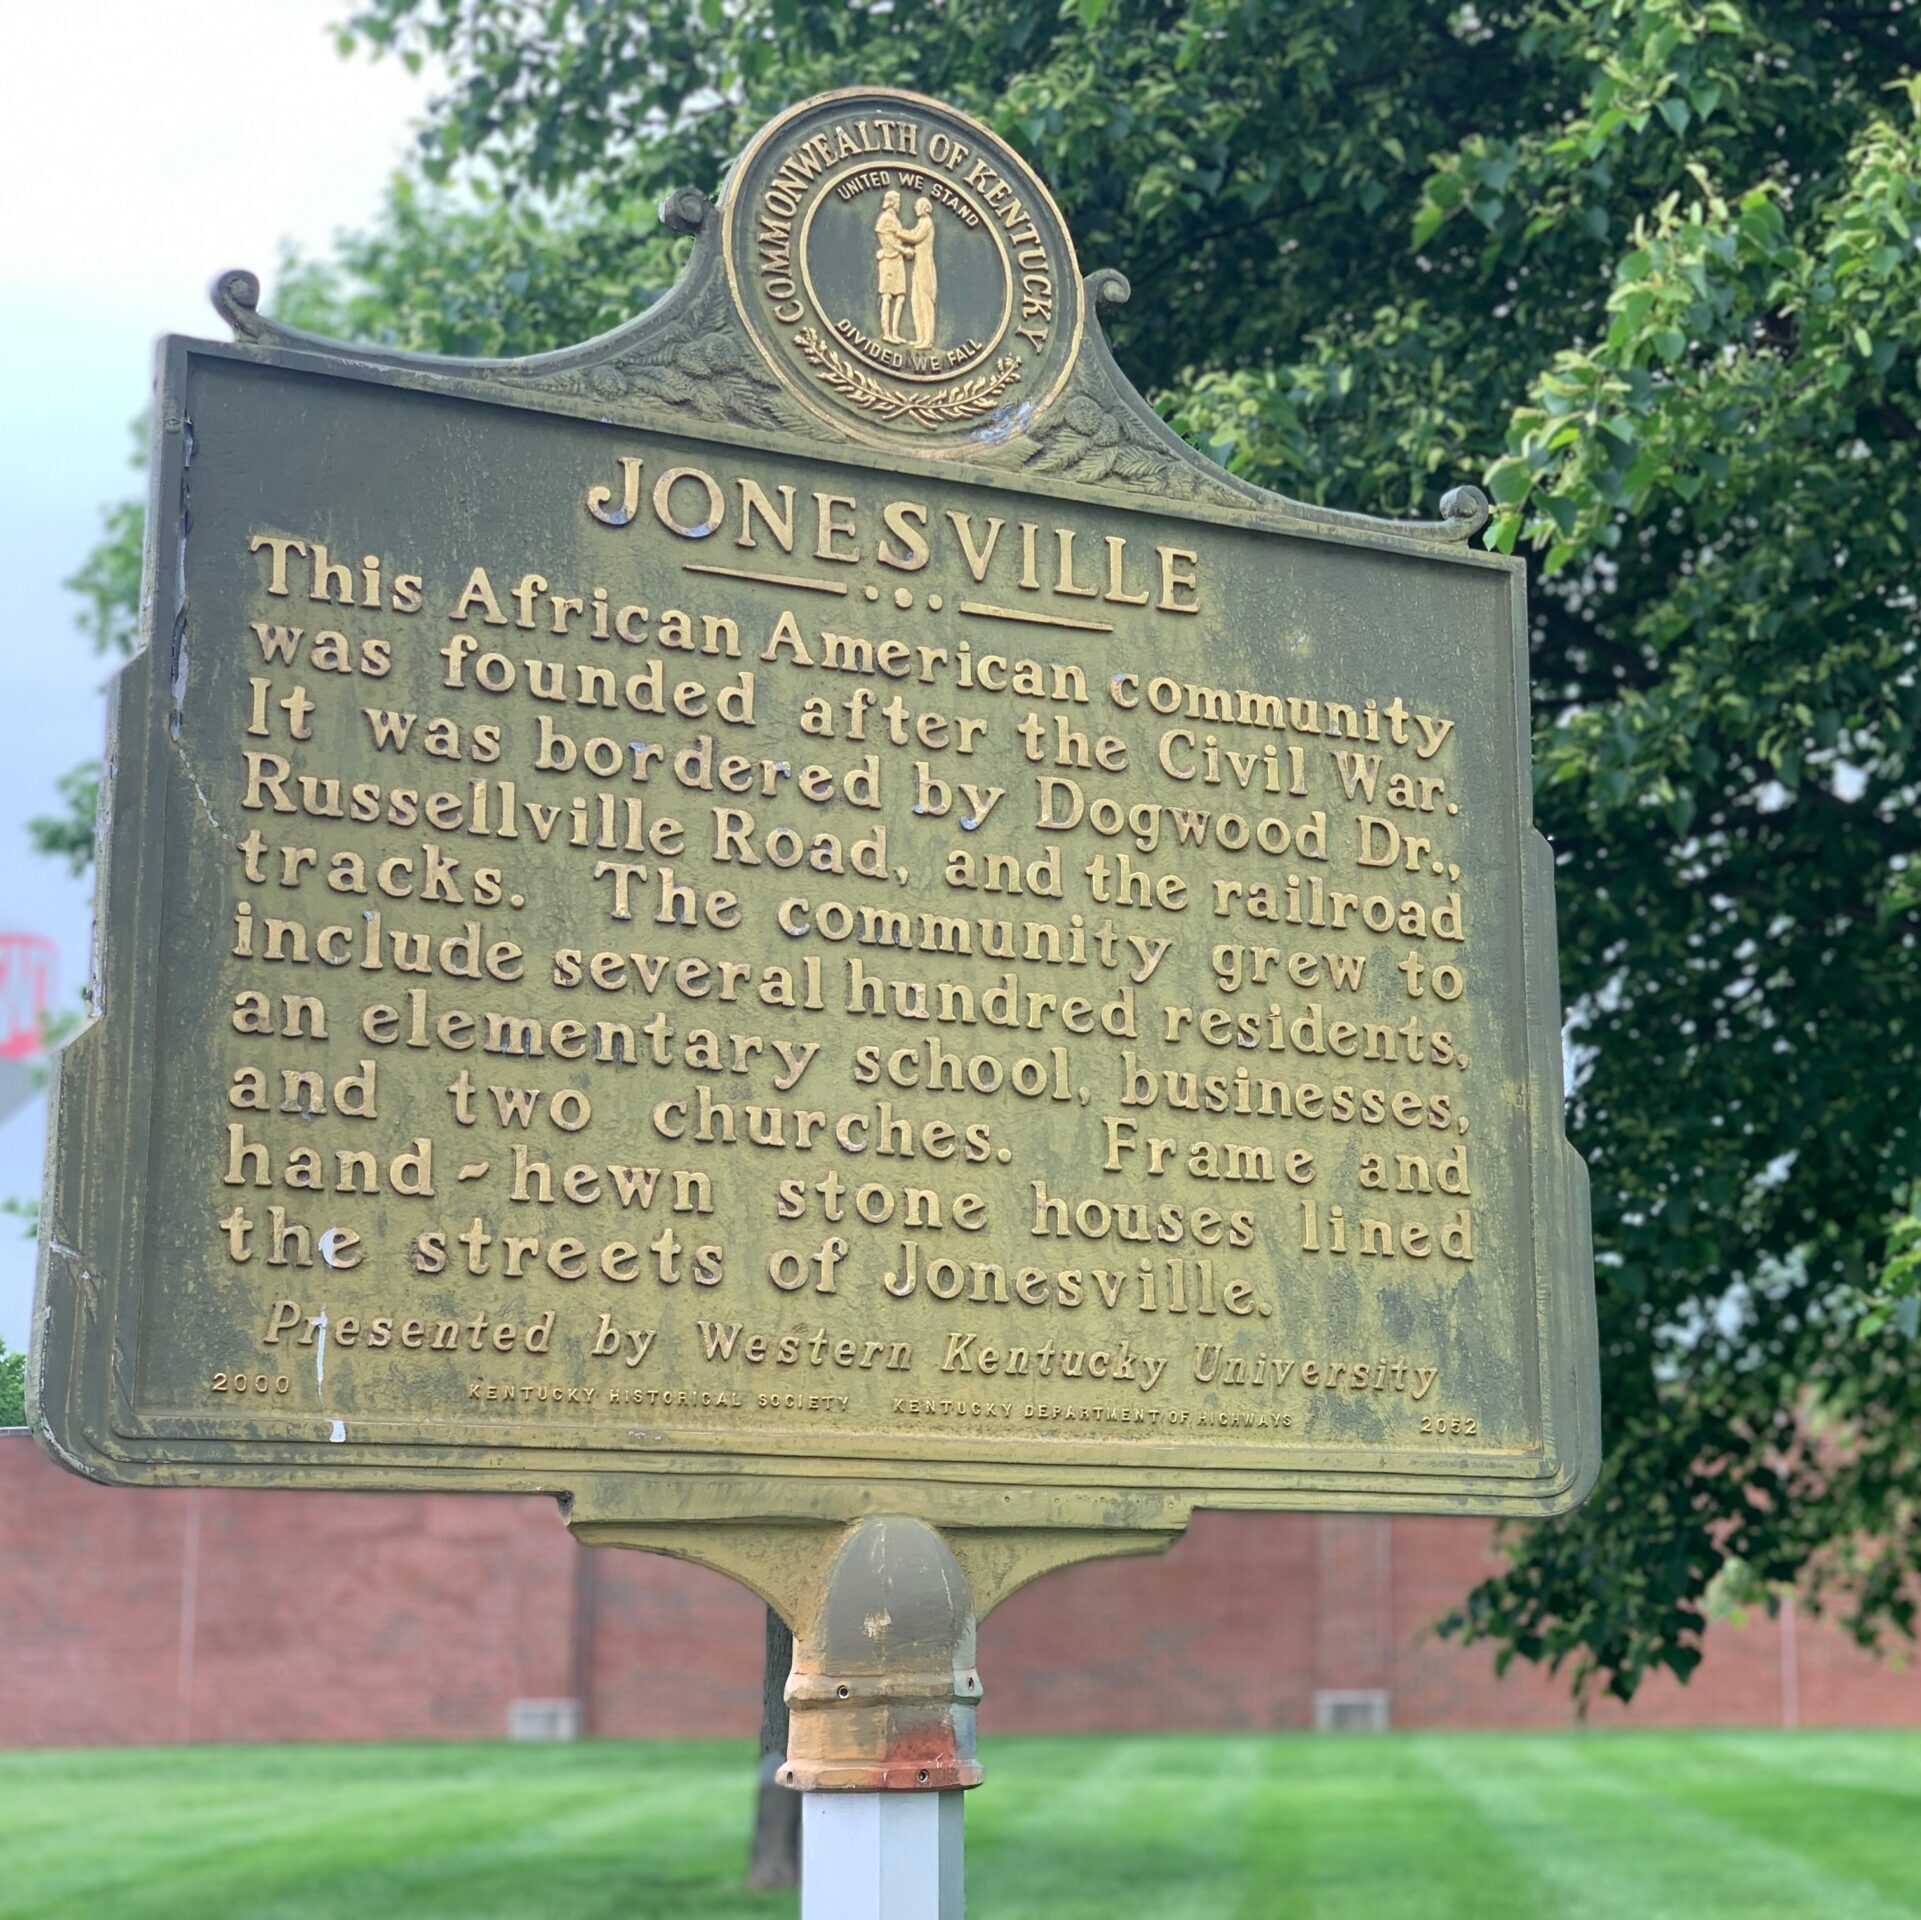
(145,147)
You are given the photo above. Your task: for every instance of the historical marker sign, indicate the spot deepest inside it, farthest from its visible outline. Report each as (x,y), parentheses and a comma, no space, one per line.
(801,897)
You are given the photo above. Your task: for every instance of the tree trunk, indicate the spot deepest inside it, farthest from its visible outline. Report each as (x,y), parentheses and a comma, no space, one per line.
(774,1860)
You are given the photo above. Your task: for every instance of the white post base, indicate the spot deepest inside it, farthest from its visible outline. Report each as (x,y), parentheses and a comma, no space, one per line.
(881,1856)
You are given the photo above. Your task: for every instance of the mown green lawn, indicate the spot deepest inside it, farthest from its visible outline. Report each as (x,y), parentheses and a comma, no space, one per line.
(1426,1826)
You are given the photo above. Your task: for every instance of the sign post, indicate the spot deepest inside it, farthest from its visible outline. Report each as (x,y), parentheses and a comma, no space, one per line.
(882,1856)
(797,926)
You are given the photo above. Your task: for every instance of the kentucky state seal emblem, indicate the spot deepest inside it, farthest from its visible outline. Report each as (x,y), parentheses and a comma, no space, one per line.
(902,271)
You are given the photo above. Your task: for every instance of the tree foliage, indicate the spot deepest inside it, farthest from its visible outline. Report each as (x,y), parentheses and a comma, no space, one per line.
(1650,269)
(107,585)
(13,1387)
(485,273)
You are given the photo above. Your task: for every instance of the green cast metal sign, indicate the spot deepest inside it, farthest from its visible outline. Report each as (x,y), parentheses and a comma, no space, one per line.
(798,911)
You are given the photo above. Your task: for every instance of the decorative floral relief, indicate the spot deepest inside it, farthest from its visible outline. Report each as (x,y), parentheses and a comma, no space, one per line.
(1097,444)
(695,361)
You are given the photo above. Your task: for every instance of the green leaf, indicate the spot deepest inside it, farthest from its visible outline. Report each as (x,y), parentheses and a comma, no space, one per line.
(1508,482)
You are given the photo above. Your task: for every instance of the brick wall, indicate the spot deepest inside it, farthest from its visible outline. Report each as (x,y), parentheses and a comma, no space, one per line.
(146,1618)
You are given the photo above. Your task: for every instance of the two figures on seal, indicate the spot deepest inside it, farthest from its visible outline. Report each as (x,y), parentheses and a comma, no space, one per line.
(900,249)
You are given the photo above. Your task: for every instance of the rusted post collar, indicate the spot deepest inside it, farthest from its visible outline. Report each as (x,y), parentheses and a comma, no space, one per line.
(883,1690)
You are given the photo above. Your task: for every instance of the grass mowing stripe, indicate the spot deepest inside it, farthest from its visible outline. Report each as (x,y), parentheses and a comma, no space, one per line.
(1587,1863)
(1238,1827)
(1704,1863)
(1041,1840)
(1855,1845)
(1879,1762)
(1221,1829)
(1046,1845)
(320,1842)
(1378,1807)
(265,1834)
